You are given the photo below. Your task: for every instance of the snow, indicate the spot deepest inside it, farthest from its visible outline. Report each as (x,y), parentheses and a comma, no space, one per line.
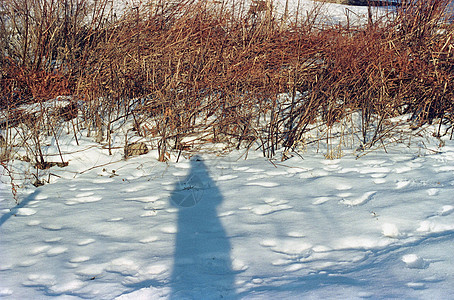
(325,13)
(211,227)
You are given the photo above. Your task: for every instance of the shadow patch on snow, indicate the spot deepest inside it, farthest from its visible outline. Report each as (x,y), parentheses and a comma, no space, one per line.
(16,210)
(302,287)
(202,248)
(142,284)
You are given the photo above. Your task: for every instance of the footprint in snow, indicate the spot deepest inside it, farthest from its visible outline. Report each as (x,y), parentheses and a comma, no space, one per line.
(390,230)
(446,169)
(25,211)
(145,199)
(149,213)
(240,168)
(331,168)
(330,162)
(226,177)
(53,240)
(413,261)
(54,251)
(266,209)
(238,265)
(180,174)
(378,175)
(226,213)
(86,242)
(295,234)
(379,178)
(321,200)
(267,184)
(276,173)
(402,184)
(156,205)
(368,170)
(281,262)
(91,270)
(123,266)
(27,262)
(39,249)
(145,274)
(446,210)
(294,267)
(257,281)
(91,188)
(432,192)
(348,170)
(34,223)
(270,207)
(103,180)
(5,292)
(344,195)
(85,194)
(46,280)
(416,285)
(67,286)
(156,269)
(252,170)
(41,197)
(135,188)
(51,227)
(149,239)
(6,267)
(171,229)
(359,200)
(79,259)
(404,169)
(314,173)
(343,186)
(268,243)
(257,177)
(183,165)
(293,247)
(83,199)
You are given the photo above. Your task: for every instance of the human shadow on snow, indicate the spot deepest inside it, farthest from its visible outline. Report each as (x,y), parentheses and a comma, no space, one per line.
(202,264)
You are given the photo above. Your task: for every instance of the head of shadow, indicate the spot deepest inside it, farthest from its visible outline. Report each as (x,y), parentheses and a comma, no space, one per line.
(190,190)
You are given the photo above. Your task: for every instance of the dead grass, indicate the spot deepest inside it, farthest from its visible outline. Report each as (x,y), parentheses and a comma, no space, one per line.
(217,71)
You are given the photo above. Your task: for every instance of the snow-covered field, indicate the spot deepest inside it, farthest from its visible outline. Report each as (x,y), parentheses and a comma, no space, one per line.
(329,13)
(212,227)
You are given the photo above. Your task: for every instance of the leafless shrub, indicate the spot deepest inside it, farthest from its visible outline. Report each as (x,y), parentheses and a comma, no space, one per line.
(217,72)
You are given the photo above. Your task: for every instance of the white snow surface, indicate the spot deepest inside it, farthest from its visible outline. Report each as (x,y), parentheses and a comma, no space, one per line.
(324,12)
(212,227)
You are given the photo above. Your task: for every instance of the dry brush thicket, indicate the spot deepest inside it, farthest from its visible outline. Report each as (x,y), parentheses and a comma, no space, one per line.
(191,72)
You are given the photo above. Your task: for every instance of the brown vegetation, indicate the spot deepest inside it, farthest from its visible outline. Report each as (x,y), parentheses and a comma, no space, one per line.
(216,71)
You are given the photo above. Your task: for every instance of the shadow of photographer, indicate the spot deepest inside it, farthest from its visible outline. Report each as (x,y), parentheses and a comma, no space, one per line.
(202,264)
